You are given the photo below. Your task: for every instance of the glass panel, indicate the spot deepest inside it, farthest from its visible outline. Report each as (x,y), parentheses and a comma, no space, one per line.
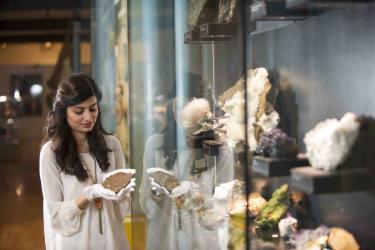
(104,70)
(187,133)
(263,75)
(318,56)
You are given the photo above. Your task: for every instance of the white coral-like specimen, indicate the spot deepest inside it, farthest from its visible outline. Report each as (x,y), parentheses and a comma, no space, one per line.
(329,143)
(195,113)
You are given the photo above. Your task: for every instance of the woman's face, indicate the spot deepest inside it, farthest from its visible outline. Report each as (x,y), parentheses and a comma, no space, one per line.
(81,117)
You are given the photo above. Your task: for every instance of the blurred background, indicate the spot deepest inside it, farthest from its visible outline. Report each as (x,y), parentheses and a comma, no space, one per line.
(40,41)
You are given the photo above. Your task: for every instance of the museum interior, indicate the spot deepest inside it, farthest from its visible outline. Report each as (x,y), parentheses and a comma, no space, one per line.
(239,124)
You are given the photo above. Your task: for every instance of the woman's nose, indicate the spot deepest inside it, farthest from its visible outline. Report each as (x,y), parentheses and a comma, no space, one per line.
(88,116)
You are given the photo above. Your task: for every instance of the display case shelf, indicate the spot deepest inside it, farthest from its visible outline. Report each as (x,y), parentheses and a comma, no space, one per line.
(324,4)
(276,11)
(274,167)
(314,181)
(211,32)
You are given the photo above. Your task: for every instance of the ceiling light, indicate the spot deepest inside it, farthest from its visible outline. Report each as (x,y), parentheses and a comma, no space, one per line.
(3,98)
(17,95)
(48,45)
(36,90)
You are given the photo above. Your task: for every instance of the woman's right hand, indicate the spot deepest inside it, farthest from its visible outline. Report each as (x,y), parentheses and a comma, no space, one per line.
(98,191)
(158,190)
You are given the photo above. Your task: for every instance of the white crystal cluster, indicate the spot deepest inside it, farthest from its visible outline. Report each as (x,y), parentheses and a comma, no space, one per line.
(233,123)
(257,85)
(329,143)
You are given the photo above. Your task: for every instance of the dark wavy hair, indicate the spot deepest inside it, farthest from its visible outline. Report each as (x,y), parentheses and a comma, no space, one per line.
(73,90)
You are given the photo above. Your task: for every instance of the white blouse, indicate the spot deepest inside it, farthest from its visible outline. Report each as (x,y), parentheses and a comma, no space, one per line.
(65,225)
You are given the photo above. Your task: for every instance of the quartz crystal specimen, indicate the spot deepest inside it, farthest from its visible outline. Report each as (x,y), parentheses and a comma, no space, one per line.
(275,143)
(261,114)
(117,181)
(328,144)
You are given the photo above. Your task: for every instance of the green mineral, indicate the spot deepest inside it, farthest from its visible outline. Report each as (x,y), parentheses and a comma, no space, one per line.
(274,210)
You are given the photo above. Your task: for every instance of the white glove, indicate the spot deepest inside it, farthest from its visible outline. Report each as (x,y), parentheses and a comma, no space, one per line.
(126,191)
(224,191)
(157,189)
(98,191)
(183,188)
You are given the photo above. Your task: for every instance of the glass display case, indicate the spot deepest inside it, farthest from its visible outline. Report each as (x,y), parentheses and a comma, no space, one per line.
(251,123)
(8,120)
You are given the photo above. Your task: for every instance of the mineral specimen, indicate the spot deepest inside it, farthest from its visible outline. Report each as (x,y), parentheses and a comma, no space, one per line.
(228,11)
(256,203)
(287,226)
(165,179)
(195,116)
(340,239)
(329,143)
(261,114)
(276,143)
(200,12)
(274,210)
(117,181)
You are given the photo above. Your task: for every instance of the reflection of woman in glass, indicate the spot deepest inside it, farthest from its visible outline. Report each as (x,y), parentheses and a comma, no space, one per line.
(79,213)
(171,225)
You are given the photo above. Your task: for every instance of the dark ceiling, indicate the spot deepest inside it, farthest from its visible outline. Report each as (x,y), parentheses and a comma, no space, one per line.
(42,20)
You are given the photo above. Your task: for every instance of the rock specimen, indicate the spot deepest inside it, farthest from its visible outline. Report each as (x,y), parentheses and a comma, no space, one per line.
(201,12)
(274,210)
(117,181)
(340,239)
(275,143)
(165,179)
(256,203)
(261,114)
(228,11)
(328,144)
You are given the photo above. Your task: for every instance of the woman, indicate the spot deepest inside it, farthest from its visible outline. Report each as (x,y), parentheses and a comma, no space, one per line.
(167,219)
(79,213)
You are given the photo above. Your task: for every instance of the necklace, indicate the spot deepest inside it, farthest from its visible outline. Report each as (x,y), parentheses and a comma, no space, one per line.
(98,201)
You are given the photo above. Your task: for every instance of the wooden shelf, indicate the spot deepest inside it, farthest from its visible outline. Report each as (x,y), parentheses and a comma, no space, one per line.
(324,4)
(272,167)
(211,32)
(265,10)
(313,181)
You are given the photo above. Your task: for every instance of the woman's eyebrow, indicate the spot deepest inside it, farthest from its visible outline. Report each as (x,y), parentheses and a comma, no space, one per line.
(82,107)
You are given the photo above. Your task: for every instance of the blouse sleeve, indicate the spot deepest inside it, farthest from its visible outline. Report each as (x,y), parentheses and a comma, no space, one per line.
(225,168)
(123,204)
(64,216)
(147,204)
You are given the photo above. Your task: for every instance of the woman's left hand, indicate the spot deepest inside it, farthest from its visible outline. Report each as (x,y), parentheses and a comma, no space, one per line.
(126,191)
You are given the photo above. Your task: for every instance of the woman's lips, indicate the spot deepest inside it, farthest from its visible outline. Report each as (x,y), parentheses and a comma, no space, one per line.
(87,125)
